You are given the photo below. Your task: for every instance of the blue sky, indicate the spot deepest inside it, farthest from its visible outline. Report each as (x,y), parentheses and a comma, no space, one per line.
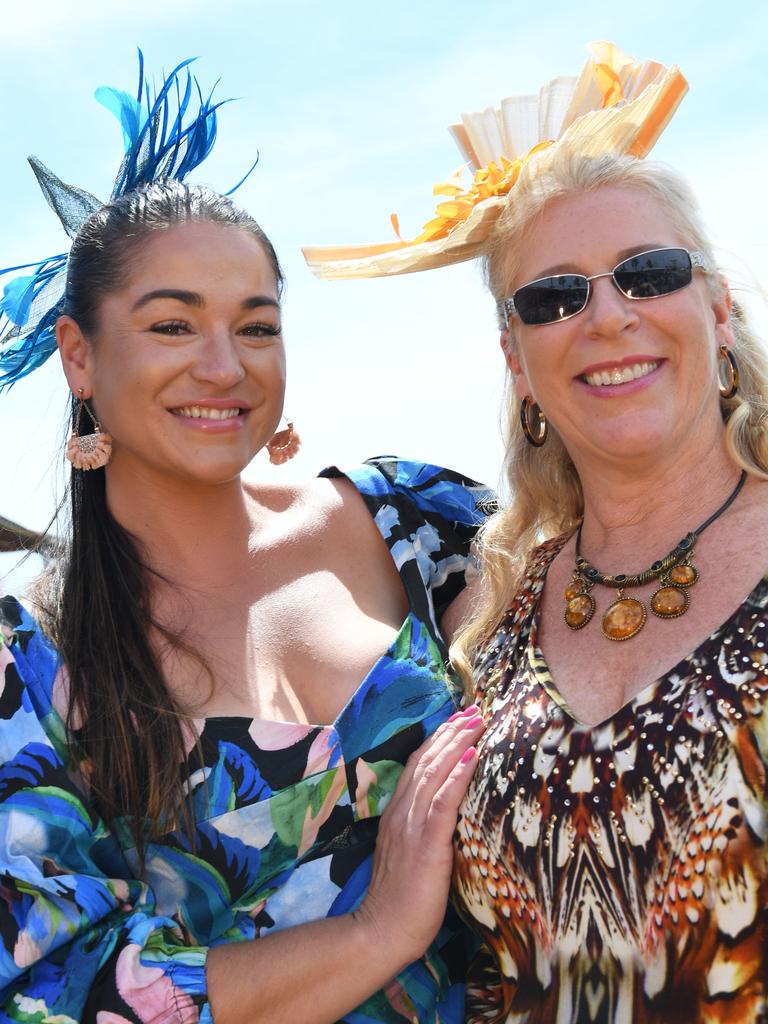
(347,105)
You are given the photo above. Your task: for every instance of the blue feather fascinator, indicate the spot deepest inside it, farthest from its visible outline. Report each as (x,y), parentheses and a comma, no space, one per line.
(167,133)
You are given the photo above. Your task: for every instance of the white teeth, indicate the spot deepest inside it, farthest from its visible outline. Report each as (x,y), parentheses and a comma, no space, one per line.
(205,413)
(620,374)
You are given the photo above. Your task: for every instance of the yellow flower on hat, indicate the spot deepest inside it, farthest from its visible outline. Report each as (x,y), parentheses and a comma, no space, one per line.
(616,104)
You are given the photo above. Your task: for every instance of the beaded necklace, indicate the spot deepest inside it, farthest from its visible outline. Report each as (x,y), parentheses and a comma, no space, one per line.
(627,615)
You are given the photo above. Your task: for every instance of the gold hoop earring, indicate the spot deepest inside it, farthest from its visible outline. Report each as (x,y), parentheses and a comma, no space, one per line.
(88,451)
(730,386)
(283,445)
(534,422)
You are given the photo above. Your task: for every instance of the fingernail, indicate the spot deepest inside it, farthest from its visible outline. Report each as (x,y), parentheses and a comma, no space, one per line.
(474,722)
(464,712)
(468,754)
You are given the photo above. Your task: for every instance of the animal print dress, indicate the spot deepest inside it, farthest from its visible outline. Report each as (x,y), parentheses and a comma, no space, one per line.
(618,873)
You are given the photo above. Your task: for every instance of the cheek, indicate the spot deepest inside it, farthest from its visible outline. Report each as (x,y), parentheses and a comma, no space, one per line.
(118,408)
(124,382)
(132,361)
(269,367)
(540,363)
(281,364)
(696,349)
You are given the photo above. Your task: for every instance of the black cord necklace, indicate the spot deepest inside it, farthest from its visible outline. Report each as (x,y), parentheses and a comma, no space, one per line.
(626,616)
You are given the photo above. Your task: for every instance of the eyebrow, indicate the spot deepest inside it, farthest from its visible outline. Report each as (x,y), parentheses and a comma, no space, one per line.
(259,300)
(650,247)
(195,299)
(623,254)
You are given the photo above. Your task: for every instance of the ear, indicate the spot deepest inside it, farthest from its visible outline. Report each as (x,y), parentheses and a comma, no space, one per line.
(721,308)
(511,357)
(76,356)
(514,363)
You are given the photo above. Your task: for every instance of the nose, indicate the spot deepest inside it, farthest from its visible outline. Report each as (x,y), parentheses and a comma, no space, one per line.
(609,311)
(218,361)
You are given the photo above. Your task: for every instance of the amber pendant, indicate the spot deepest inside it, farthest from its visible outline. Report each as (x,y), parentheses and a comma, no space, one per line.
(683,575)
(671,601)
(579,610)
(579,604)
(624,618)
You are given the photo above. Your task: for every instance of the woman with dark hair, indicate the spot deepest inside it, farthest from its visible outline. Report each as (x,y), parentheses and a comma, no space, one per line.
(194,773)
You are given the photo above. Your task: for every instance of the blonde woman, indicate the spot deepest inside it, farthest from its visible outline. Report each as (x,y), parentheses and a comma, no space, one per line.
(612,850)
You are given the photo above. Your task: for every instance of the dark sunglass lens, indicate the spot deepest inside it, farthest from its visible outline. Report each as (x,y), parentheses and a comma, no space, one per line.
(654,273)
(551,299)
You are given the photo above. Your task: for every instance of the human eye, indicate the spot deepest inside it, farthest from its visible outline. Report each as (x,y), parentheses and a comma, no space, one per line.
(170,328)
(260,330)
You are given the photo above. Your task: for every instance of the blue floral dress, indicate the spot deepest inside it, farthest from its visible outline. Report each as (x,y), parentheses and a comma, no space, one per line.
(286,814)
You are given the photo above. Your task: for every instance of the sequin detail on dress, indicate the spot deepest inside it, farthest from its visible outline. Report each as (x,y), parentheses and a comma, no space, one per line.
(618,873)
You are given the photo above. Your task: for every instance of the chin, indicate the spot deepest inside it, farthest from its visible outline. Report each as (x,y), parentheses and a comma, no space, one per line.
(214,476)
(631,437)
(211,473)
(631,445)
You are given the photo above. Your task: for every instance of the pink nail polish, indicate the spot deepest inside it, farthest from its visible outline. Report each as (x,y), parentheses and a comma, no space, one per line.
(468,754)
(472,709)
(454,716)
(474,722)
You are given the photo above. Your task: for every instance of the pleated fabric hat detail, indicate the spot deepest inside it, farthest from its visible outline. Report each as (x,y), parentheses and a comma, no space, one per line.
(616,105)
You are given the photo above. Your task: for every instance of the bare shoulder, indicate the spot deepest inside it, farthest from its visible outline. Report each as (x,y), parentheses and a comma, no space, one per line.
(318,495)
(330,509)
(345,515)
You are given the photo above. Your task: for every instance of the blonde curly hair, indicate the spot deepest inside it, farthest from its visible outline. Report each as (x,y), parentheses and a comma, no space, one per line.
(543,492)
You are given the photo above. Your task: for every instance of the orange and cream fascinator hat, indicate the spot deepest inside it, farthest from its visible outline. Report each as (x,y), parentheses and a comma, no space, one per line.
(616,105)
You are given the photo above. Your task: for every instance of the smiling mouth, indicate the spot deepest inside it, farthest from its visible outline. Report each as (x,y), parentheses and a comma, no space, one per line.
(203,412)
(619,374)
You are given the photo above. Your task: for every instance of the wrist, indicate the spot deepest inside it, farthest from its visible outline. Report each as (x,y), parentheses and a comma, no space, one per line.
(393,944)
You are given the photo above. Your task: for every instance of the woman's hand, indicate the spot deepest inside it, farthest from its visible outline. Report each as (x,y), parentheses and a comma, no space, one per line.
(255,982)
(406,900)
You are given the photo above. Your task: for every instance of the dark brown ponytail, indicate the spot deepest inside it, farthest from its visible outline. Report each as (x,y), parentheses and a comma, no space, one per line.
(121,714)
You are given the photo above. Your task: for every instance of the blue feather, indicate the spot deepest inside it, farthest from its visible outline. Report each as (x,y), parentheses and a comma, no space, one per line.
(27,354)
(17,299)
(126,109)
(28,335)
(166,135)
(161,144)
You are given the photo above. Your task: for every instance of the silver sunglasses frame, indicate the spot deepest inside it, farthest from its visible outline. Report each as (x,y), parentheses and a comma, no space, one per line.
(698,262)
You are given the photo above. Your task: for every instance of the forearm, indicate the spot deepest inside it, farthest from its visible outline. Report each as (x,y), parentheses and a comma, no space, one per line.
(313,973)
(317,972)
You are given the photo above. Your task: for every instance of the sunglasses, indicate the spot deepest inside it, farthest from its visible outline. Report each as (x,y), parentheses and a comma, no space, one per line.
(644,276)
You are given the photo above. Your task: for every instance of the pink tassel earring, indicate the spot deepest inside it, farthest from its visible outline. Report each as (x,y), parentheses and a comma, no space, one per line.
(283,445)
(88,451)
